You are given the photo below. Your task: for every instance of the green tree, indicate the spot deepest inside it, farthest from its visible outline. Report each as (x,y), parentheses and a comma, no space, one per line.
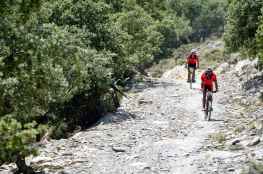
(242,24)
(41,64)
(259,39)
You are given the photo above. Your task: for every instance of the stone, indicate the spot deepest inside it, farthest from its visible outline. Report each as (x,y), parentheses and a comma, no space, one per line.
(118,149)
(231,170)
(223,68)
(40,159)
(235,141)
(142,101)
(244,67)
(64,172)
(259,124)
(254,142)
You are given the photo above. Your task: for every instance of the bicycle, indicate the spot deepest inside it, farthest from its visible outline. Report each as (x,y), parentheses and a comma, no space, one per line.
(208,105)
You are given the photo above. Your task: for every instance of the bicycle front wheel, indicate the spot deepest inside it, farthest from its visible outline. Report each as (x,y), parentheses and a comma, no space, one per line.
(206,111)
(209,110)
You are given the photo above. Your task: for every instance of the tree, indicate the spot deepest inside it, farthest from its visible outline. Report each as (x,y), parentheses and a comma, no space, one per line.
(242,24)
(41,64)
(65,55)
(259,39)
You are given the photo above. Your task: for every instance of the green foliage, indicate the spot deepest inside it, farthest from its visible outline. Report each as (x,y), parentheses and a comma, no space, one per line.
(242,24)
(16,139)
(59,58)
(205,16)
(42,64)
(259,39)
(142,39)
(244,29)
(173,29)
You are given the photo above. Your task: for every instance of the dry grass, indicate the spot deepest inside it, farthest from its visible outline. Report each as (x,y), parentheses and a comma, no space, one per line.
(254,167)
(218,137)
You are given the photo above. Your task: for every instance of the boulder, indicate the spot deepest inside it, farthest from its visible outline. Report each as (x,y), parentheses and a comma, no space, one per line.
(234,58)
(254,142)
(245,67)
(223,68)
(254,82)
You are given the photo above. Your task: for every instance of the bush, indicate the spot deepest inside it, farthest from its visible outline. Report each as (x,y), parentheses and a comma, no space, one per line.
(16,142)
(60,58)
(259,39)
(242,24)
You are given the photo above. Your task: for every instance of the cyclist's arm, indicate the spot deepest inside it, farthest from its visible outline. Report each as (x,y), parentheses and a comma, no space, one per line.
(186,61)
(202,82)
(216,84)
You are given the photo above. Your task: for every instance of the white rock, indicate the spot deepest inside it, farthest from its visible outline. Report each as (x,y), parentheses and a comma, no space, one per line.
(259,124)
(245,67)
(223,68)
(254,142)
(41,159)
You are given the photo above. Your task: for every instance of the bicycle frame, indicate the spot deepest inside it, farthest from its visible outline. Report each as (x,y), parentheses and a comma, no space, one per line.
(208,105)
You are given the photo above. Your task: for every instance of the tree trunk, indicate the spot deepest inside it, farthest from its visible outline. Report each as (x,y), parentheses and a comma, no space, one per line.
(22,167)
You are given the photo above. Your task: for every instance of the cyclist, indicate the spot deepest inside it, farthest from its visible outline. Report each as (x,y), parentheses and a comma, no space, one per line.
(192,62)
(207,80)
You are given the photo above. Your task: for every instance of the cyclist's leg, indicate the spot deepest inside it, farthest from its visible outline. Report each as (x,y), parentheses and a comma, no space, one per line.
(204,97)
(210,88)
(188,77)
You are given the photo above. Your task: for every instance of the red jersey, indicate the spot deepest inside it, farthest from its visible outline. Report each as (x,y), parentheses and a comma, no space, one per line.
(192,59)
(206,81)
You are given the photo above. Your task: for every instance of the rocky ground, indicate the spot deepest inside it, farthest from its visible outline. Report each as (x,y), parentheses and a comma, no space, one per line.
(160,129)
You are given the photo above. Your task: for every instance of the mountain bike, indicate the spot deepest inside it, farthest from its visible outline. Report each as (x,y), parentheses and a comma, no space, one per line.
(208,105)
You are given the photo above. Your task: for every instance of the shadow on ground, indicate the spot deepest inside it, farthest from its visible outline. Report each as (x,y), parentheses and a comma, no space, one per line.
(119,116)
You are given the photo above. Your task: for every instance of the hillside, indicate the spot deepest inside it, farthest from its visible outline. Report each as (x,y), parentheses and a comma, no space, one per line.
(98,86)
(160,128)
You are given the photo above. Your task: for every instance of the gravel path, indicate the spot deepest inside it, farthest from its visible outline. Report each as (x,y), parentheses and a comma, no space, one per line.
(157,130)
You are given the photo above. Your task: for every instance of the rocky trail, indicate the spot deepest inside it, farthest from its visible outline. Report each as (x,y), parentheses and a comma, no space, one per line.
(160,129)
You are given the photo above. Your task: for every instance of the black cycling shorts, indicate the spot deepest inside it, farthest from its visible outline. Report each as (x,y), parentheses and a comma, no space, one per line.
(208,88)
(192,66)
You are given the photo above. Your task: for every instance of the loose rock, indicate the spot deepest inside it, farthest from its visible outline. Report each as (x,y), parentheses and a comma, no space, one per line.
(254,142)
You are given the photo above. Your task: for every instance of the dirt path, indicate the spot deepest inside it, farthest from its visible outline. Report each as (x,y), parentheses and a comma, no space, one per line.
(158,130)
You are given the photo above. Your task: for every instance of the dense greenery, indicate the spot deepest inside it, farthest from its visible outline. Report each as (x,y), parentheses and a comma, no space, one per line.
(244,27)
(59,59)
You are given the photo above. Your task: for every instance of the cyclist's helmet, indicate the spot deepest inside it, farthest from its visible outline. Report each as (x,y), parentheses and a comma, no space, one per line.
(208,73)
(193,51)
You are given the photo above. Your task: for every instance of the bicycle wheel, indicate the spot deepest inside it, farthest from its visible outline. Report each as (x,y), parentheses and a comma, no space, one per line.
(206,110)
(191,83)
(191,78)
(209,112)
